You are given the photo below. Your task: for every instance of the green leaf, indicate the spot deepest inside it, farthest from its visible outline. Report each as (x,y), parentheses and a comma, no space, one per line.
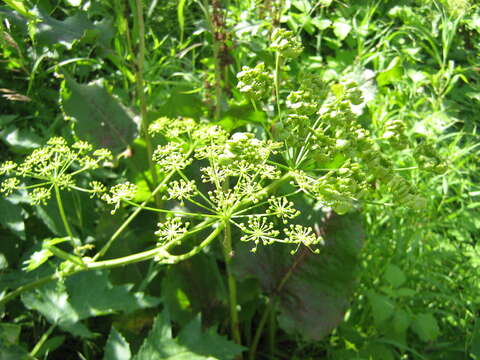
(11,217)
(18,6)
(100,118)
(82,296)
(316,293)
(92,294)
(51,345)
(51,31)
(52,302)
(191,343)
(116,347)
(208,343)
(10,333)
(341,29)
(426,327)
(9,351)
(392,74)
(394,275)
(401,321)
(382,307)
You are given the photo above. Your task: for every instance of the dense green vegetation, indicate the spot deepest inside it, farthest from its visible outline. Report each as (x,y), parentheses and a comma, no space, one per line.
(207,179)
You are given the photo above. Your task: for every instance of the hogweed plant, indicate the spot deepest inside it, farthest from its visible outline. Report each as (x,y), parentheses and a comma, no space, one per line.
(312,144)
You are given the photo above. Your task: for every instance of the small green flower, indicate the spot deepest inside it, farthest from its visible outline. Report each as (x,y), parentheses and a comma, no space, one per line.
(9,185)
(182,190)
(171,157)
(259,229)
(256,82)
(97,188)
(40,196)
(286,43)
(301,235)
(7,167)
(171,231)
(118,193)
(282,208)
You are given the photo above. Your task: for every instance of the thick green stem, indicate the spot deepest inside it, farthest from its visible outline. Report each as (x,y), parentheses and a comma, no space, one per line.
(161,253)
(141,95)
(232,285)
(62,213)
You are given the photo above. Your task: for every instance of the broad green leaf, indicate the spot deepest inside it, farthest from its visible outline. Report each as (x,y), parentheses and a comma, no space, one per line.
(11,217)
(401,321)
(10,332)
(341,29)
(51,300)
(394,275)
(426,327)
(82,296)
(14,352)
(51,31)
(100,118)
(392,74)
(207,343)
(321,24)
(316,294)
(382,307)
(191,343)
(116,348)
(92,294)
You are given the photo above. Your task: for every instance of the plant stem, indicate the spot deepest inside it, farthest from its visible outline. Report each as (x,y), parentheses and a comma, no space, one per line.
(142,256)
(232,285)
(258,332)
(131,217)
(141,95)
(126,260)
(62,213)
(277,84)
(42,340)
(274,298)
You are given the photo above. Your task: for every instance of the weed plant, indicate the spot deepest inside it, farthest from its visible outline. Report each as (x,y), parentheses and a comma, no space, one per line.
(236,192)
